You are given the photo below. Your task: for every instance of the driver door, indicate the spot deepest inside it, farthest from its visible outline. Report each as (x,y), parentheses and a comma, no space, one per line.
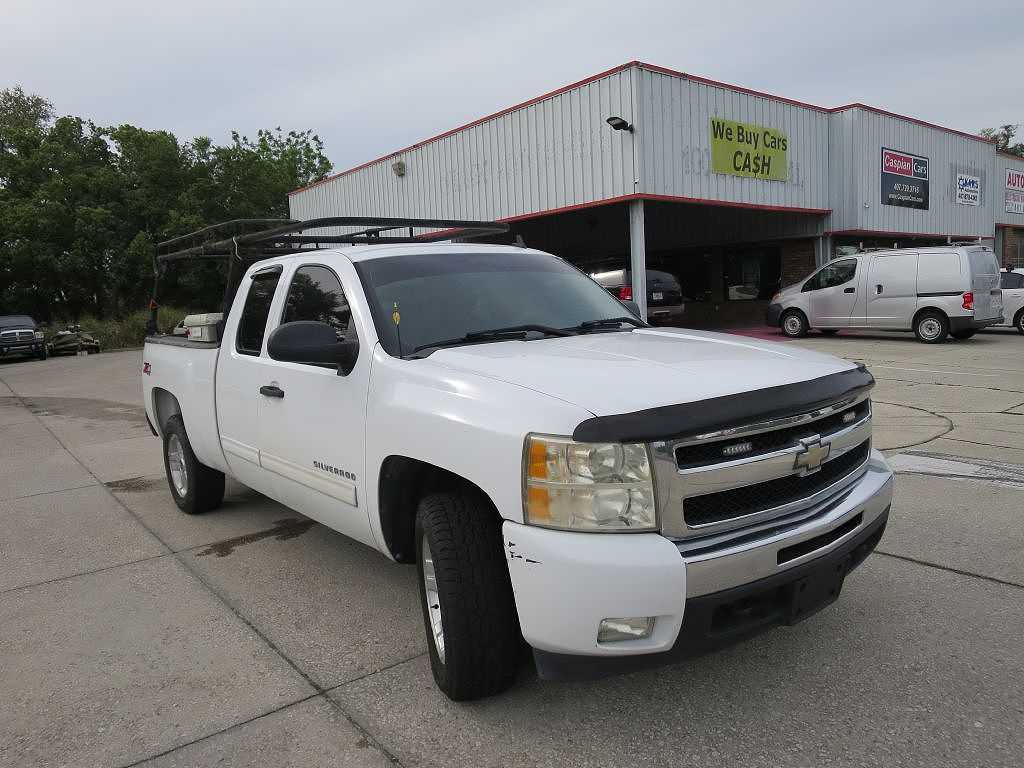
(834,300)
(312,419)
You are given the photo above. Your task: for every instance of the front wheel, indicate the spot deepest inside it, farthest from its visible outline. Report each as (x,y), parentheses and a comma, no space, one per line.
(931,327)
(1018,322)
(469,611)
(963,335)
(196,488)
(794,324)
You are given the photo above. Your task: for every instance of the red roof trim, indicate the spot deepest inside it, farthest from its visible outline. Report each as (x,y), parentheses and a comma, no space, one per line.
(737,88)
(492,116)
(876,233)
(914,120)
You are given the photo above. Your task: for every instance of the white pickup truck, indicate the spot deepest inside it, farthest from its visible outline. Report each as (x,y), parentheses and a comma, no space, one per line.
(615,495)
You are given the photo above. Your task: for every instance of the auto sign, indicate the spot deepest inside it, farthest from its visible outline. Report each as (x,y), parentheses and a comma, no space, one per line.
(904,179)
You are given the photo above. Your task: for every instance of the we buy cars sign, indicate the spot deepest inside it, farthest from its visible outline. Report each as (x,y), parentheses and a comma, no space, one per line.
(904,179)
(1014,191)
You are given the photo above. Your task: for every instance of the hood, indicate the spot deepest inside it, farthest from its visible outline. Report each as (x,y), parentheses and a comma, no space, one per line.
(612,373)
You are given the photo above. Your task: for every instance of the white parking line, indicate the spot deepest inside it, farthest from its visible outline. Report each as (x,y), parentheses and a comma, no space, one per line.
(929,370)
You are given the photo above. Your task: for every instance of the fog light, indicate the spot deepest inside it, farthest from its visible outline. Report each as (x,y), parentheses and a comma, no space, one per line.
(632,628)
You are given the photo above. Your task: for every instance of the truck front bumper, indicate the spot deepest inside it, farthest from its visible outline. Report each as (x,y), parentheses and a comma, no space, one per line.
(565,584)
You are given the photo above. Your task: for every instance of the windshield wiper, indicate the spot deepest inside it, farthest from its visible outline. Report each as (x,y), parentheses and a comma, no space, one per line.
(511,332)
(609,322)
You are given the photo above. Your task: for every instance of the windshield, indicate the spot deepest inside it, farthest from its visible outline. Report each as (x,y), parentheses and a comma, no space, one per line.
(16,321)
(448,295)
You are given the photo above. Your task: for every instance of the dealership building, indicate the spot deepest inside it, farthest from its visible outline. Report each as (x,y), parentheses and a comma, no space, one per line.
(731,191)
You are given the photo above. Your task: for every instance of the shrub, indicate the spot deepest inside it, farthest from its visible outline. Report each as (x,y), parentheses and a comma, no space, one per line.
(127,331)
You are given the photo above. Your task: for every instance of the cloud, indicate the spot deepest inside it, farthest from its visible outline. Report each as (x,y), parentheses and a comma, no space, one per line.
(372,78)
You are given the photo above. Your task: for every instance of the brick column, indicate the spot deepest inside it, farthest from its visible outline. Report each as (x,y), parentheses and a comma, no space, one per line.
(1012,239)
(797,260)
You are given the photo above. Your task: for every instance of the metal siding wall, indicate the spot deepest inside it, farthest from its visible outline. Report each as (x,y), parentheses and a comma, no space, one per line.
(842,182)
(947,154)
(674,135)
(555,153)
(998,188)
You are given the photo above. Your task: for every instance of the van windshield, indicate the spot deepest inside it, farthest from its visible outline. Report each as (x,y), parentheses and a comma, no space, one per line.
(445,296)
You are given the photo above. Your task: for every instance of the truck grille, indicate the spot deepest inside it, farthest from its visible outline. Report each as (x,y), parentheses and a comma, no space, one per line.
(17,336)
(703,454)
(750,499)
(719,484)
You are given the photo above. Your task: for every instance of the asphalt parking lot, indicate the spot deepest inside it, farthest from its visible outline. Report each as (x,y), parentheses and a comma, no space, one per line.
(133,634)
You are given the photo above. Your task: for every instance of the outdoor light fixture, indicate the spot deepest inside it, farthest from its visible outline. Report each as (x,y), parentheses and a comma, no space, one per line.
(619,124)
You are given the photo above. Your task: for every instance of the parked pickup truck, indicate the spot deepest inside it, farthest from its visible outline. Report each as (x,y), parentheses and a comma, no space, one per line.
(615,495)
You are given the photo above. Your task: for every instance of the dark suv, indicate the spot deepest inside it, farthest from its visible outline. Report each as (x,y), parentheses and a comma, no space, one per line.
(664,295)
(20,335)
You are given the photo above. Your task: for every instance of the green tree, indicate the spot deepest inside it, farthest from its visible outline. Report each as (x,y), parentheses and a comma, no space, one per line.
(1004,137)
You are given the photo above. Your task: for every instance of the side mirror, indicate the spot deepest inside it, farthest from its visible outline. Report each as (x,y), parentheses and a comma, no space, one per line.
(314,343)
(632,306)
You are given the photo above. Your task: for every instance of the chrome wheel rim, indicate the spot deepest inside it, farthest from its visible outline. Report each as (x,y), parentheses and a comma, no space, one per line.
(176,465)
(433,598)
(792,325)
(930,328)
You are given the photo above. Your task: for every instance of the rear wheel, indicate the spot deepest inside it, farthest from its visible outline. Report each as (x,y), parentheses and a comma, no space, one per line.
(793,323)
(931,327)
(468,609)
(196,488)
(963,335)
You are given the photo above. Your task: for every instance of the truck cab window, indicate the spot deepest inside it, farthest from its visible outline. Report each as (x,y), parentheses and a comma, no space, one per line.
(253,322)
(316,294)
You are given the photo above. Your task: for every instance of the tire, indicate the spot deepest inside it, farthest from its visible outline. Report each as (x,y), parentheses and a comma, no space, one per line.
(459,551)
(931,327)
(793,323)
(1018,321)
(962,335)
(830,331)
(202,488)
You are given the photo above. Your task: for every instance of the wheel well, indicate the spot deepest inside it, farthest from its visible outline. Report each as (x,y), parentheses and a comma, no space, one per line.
(403,482)
(1016,317)
(165,405)
(795,311)
(925,310)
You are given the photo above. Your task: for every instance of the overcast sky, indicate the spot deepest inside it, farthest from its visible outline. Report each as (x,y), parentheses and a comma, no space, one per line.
(375,77)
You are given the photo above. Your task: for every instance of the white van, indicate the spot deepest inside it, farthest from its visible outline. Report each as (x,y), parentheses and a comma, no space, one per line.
(930,291)
(1012,283)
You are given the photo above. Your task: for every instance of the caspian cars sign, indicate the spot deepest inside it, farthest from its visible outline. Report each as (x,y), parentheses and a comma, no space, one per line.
(904,179)
(1014,191)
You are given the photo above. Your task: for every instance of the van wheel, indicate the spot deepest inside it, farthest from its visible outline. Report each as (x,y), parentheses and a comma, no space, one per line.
(196,488)
(794,324)
(931,327)
(963,335)
(829,331)
(469,612)
(1018,321)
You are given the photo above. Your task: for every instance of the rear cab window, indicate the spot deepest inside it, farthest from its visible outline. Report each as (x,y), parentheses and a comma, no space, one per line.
(252,325)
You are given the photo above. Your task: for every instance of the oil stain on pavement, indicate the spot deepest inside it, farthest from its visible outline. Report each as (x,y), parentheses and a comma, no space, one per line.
(282,531)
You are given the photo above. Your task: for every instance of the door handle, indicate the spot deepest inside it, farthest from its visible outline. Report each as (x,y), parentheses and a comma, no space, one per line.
(269,390)
(878,290)
(849,290)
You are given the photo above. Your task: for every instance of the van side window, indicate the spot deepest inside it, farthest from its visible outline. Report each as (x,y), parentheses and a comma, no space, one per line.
(253,322)
(316,294)
(1011,280)
(837,274)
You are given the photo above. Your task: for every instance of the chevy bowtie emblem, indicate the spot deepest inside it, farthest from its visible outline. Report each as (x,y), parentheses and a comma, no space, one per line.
(811,454)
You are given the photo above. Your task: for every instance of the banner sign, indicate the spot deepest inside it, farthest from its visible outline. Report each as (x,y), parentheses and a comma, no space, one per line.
(1014,200)
(753,151)
(904,179)
(968,189)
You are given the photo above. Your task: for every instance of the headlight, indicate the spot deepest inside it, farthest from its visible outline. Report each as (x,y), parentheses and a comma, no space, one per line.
(38,334)
(588,486)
